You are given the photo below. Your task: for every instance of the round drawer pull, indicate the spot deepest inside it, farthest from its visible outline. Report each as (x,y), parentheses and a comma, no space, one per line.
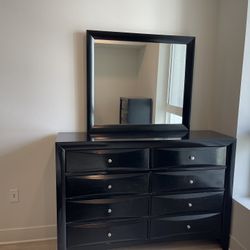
(109,235)
(109,210)
(192,157)
(188,227)
(110,161)
(190,204)
(191,181)
(109,187)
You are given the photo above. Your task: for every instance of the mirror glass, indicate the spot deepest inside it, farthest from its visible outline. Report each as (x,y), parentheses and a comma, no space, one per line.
(138,82)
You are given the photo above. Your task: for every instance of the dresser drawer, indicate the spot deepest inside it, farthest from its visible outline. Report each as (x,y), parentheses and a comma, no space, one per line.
(115,207)
(90,160)
(106,184)
(184,180)
(181,203)
(169,157)
(209,224)
(115,231)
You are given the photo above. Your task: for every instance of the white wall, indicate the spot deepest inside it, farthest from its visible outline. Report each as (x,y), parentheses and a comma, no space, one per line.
(42,87)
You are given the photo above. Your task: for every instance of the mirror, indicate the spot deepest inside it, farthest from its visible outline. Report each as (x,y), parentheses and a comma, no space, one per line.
(138,81)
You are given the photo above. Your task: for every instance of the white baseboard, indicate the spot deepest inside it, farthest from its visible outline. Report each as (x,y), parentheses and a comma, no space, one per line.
(27,234)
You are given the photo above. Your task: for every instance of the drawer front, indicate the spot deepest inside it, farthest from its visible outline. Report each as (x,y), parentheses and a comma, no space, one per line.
(195,224)
(184,180)
(89,160)
(181,203)
(106,184)
(115,207)
(167,157)
(79,234)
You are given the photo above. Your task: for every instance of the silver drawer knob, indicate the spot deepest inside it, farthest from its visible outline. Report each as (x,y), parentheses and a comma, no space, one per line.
(109,210)
(191,181)
(190,204)
(192,157)
(110,161)
(109,235)
(188,227)
(109,187)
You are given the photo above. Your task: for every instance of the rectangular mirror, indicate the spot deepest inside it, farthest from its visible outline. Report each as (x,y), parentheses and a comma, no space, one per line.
(138,82)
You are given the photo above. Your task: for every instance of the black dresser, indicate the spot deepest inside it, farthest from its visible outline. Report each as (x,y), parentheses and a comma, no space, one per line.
(124,190)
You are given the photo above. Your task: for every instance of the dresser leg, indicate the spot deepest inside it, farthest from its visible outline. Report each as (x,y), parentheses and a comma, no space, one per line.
(225,243)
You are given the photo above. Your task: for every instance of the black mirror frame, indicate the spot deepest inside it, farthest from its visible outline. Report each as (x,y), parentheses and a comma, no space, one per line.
(138,37)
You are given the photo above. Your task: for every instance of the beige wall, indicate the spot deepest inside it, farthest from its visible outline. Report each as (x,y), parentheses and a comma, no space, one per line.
(240,228)
(162,84)
(242,170)
(116,75)
(229,55)
(127,71)
(42,87)
(147,77)
(123,71)
(229,117)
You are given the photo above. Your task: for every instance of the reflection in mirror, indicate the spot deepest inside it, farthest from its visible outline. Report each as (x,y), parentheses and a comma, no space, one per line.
(138,83)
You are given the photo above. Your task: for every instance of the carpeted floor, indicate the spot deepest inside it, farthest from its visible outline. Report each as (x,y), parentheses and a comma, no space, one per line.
(51,245)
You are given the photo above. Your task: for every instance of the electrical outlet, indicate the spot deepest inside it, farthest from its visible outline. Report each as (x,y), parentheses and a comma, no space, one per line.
(14,195)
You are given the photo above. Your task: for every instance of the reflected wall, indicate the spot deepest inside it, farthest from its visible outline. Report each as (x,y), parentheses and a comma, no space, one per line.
(138,71)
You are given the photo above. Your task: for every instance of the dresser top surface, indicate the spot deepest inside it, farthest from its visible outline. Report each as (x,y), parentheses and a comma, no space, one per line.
(83,137)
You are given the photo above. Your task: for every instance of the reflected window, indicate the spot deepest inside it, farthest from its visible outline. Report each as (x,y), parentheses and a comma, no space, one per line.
(173,118)
(176,80)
